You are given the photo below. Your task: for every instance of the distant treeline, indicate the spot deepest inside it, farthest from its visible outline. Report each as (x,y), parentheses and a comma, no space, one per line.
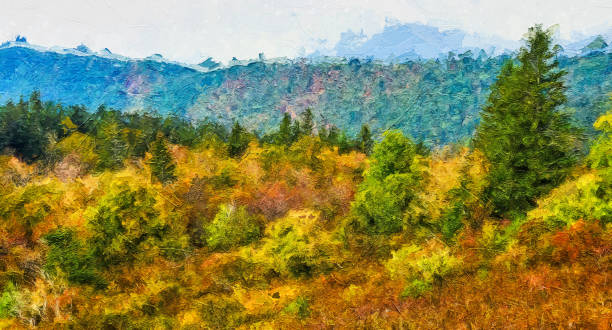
(30,129)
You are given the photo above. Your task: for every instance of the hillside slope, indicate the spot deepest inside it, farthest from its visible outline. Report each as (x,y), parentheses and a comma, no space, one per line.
(432,100)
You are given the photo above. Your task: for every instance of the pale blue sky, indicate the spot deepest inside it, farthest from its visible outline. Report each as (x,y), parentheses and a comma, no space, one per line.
(190,30)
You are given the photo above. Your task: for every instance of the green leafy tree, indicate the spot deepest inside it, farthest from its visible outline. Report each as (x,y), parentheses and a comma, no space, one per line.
(393,155)
(162,164)
(69,255)
(529,143)
(232,227)
(389,185)
(124,221)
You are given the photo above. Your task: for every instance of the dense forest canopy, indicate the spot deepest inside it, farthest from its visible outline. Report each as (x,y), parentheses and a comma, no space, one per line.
(133,220)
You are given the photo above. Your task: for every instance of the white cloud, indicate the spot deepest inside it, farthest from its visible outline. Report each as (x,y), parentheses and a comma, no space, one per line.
(190,30)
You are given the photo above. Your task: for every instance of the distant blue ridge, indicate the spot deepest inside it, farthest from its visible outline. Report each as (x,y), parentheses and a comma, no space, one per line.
(434,100)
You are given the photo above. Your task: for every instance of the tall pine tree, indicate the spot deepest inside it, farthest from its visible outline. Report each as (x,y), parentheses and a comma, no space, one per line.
(307,122)
(238,141)
(529,143)
(284,136)
(366,143)
(162,164)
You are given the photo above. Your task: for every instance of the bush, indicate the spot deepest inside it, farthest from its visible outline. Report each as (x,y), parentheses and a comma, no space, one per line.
(492,240)
(28,206)
(295,246)
(421,268)
(68,255)
(81,144)
(299,307)
(380,206)
(232,227)
(416,288)
(124,222)
(221,312)
(587,197)
(9,303)
(451,221)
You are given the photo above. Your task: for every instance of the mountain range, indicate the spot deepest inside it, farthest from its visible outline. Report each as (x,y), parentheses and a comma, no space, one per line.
(429,83)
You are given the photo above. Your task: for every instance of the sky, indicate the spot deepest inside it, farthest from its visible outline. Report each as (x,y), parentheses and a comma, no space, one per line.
(189,31)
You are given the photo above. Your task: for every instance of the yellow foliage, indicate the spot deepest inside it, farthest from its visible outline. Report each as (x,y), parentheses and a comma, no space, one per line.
(289,247)
(81,144)
(604,123)
(573,200)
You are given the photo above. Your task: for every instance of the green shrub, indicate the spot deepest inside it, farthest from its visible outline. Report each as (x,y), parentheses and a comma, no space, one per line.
(422,269)
(299,307)
(492,240)
(416,288)
(221,312)
(124,223)
(9,301)
(452,221)
(295,246)
(232,227)
(68,255)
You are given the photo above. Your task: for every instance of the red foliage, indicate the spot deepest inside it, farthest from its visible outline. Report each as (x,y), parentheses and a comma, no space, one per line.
(581,240)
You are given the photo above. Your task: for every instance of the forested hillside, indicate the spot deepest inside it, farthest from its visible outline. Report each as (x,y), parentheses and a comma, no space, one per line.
(435,101)
(118,220)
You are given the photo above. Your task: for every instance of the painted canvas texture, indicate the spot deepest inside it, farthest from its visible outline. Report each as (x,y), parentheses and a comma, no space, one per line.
(296,165)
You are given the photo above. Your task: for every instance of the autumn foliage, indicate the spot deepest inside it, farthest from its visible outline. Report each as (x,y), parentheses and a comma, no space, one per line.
(145,222)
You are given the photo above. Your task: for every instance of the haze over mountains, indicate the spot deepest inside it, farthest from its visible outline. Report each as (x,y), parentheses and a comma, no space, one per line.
(427,82)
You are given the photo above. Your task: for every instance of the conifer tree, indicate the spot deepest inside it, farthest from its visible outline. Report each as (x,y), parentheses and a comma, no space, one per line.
(296,130)
(111,147)
(307,122)
(529,143)
(284,131)
(162,164)
(365,140)
(238,141)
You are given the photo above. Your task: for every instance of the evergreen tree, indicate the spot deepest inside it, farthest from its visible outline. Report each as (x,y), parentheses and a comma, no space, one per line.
(530,144)
(307,122)
(111,147)
(333,135)
(21,129)
(80,118)
(365,140)
(238,141)
(162,164)
(284,132)
(344,143)
(296,131)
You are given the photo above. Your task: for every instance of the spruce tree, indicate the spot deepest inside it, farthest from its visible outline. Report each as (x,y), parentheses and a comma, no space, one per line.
(111,146)
(529,143)
(284,136)
(162,164)
(307,122)
(365,140)
(238,141)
